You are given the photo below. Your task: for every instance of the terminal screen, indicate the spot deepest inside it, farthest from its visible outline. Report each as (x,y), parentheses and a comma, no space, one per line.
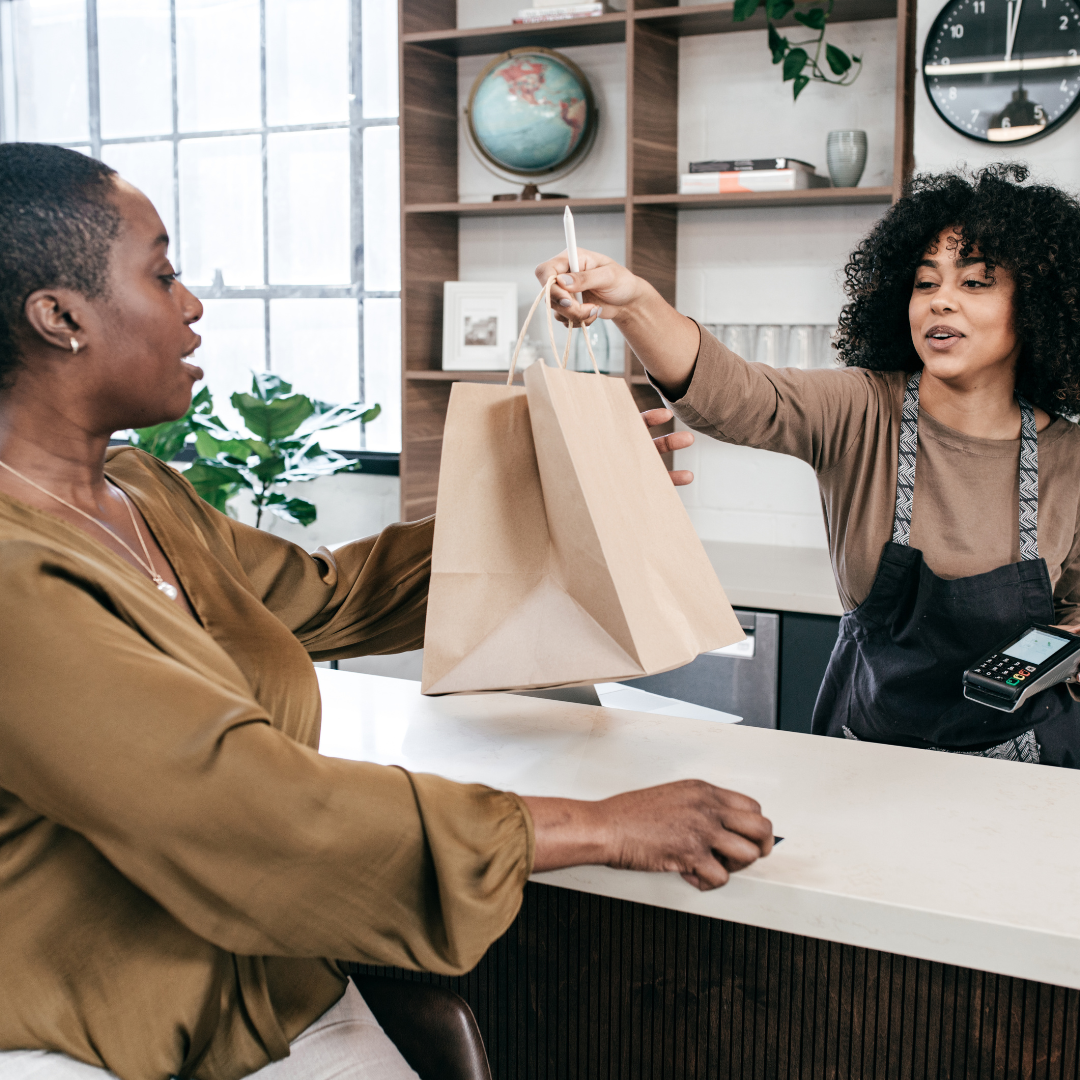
(1035,646)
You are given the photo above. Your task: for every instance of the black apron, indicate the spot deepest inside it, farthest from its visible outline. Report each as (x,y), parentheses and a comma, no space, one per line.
(895,675)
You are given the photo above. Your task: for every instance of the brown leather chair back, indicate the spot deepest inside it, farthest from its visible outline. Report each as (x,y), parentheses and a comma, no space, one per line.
(434,1028)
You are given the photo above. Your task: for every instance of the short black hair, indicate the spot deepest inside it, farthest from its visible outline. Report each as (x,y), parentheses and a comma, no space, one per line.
(57,224)
(1032,230)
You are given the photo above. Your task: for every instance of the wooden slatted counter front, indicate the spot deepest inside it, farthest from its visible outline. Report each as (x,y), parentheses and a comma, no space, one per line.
(921,918)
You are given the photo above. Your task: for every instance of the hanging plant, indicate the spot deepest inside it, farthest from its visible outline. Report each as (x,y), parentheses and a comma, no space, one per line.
(803,60)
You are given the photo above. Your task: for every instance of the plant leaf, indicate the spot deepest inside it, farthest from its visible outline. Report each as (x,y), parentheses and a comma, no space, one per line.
(266,386)
(777,9)
(744,9)
(800,85)
(275,418)
(778,45)
(215,483)
(838,60)
(794,62)
(296,511)
(814,18)
(269,470)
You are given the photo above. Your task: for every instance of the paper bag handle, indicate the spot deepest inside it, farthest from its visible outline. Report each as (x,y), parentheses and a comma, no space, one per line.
(545,294)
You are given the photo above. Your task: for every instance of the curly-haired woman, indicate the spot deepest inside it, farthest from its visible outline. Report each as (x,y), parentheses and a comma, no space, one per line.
(961,338)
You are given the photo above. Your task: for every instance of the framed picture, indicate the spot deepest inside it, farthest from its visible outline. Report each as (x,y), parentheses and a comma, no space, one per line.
(479,325)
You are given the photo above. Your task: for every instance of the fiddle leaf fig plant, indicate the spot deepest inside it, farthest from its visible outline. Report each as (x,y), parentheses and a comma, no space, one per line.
(280,446)
(803,61)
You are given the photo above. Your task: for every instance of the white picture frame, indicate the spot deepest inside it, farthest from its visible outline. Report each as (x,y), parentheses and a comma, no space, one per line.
(479,325)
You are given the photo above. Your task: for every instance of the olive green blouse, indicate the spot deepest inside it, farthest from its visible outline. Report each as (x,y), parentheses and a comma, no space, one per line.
(179,868)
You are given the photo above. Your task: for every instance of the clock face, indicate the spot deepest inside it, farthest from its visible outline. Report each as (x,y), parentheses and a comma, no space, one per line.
(1004,70)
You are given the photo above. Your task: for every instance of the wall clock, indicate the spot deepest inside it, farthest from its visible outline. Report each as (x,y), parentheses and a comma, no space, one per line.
(1004,71)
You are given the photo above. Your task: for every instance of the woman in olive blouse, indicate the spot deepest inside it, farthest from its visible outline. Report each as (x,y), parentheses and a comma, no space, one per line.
(179,868)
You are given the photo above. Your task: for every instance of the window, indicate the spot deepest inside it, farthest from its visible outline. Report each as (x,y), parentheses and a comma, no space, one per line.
(265,133)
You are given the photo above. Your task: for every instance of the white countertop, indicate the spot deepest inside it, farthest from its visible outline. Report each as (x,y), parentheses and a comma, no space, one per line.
(775,578)
(960,860)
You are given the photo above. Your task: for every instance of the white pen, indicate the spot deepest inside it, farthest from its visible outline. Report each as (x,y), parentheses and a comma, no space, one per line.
(571,244)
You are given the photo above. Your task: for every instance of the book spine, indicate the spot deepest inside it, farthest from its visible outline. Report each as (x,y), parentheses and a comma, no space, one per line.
(554,14)
(749,164)
(720,183)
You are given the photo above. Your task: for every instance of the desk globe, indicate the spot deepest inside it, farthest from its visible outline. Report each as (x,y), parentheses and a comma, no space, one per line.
(531,115)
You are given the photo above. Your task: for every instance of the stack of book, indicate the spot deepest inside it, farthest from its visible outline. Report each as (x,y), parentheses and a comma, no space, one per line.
(749,174)
(541,12)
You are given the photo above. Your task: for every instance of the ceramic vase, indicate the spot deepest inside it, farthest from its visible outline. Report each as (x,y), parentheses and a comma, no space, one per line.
(845,155)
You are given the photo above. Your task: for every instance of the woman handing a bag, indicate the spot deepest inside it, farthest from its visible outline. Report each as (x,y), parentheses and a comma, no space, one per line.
(963,300)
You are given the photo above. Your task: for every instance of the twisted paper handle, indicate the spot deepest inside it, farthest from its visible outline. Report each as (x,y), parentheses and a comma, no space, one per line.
(545,294)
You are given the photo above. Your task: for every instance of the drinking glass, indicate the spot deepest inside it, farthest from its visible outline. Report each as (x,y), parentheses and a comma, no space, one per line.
(801,346)
(825,353)
(768,346)
(598,338)
(739,340)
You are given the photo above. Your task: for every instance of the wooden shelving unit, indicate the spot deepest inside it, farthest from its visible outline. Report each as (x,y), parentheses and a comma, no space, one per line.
(430,46)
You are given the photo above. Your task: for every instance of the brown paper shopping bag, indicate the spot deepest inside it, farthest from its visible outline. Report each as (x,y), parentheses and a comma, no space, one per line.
(562,553)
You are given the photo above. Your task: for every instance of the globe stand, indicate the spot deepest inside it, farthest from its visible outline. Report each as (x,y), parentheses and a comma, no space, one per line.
(529,193)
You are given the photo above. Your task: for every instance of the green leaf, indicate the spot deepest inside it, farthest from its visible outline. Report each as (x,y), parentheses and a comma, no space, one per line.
(814,18)
(777,9)
(838,60)
(164,441)
(270,470)
(210,446)
(800,85)
(744,9)
(371,414)
(273,419)
(266,386)
(295,511)
(794,62)
(215,484)
(777,44)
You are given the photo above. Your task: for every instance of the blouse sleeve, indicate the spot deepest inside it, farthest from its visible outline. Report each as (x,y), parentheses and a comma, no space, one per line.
(251,840)
(813,415)
(365,597)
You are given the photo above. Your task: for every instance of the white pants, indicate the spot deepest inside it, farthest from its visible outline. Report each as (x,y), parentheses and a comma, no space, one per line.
(345,1043)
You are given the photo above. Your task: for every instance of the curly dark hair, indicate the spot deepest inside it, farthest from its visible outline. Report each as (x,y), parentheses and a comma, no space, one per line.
(1032,230)
(57,226)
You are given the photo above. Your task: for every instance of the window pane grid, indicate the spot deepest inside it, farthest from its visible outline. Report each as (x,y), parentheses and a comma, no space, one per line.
(286,167)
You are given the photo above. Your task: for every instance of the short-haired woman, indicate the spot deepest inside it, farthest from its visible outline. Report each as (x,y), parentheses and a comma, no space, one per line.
(961,337)
(179,868)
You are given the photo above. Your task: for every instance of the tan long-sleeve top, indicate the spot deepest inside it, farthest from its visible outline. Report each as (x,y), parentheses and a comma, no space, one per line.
(179,868)
(846,424)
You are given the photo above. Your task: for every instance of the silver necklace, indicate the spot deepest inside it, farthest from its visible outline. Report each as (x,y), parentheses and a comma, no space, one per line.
(147,563)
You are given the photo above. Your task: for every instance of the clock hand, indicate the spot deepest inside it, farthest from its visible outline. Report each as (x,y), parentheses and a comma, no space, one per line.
(1013,21)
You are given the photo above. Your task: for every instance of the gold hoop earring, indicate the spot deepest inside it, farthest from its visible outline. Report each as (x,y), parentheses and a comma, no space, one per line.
(74,346)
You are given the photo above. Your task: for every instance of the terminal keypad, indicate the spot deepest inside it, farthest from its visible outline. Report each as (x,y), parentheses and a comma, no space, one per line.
(1006,669)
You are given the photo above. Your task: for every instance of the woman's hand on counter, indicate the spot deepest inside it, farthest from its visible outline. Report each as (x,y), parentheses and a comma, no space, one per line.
(666,342)
(703,832)
(665,444)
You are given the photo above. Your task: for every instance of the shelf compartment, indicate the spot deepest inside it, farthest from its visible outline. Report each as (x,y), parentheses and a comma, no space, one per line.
(509,208)
(806,197)
(692,20)
(478,41)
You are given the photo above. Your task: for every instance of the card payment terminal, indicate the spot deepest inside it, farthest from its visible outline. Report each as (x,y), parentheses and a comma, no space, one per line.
(1040,657)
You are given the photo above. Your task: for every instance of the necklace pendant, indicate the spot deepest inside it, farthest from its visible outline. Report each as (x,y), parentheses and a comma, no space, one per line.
(167,589)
